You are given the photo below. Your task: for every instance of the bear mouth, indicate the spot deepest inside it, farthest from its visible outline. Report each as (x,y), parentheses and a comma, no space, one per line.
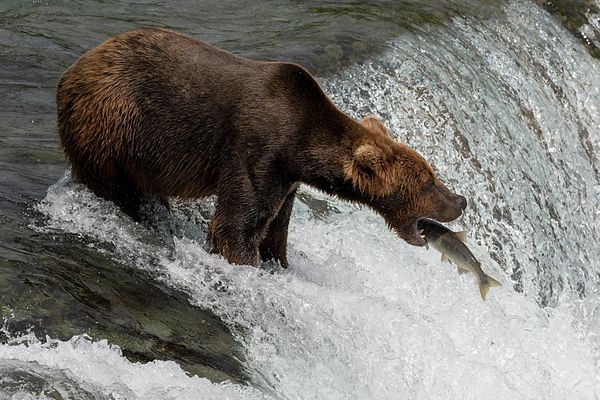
(413,235)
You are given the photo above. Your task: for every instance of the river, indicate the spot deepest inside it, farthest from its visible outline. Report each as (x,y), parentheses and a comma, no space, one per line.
(501,97)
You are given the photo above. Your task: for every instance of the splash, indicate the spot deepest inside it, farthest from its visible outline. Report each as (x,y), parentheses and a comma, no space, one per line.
(84,369)
(361,315)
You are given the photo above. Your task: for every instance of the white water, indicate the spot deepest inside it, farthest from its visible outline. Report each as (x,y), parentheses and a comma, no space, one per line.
(361,315)
(509,113)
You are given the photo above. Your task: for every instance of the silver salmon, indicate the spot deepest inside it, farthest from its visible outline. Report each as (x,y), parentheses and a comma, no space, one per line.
(452,246)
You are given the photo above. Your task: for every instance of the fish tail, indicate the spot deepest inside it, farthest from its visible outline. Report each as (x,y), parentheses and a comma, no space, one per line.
(486,283)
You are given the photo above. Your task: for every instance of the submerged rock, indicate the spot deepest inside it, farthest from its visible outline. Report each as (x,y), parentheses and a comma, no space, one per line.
(580,17)
(73,289)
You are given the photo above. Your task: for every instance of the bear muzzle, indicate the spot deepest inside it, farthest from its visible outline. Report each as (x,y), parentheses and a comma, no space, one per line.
(450,209)
(406,227)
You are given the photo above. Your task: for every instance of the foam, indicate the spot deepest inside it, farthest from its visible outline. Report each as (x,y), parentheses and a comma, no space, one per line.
(98,369)
(357,315)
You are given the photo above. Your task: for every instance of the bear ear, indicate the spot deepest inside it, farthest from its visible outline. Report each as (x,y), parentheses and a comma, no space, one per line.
(369,158)
(369,170)
(374,123)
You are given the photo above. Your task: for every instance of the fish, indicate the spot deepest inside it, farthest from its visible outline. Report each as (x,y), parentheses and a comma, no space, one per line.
(453,248)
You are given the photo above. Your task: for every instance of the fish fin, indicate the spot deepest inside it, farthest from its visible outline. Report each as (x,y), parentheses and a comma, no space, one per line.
(484,286)
(492,282)
(462,270)
(445,257)
(462,235)
(483,289)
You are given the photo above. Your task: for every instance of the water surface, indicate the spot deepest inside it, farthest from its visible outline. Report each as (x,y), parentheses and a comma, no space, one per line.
(499,96)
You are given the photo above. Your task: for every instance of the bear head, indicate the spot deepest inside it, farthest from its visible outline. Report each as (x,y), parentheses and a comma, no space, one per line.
(398,183)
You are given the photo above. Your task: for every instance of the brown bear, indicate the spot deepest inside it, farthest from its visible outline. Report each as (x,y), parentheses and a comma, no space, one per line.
(156,113)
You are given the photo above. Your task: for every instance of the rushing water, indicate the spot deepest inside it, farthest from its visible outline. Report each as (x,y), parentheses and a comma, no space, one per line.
(501,98)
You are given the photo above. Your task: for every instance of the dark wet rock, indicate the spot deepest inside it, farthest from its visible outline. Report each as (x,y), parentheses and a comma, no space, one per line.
(57,285)
(20,377)
(576,16)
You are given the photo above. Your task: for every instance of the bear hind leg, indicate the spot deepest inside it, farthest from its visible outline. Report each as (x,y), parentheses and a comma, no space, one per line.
(116,189)
(128,200)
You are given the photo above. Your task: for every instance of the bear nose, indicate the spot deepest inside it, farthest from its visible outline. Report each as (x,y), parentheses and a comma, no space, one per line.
(463,202)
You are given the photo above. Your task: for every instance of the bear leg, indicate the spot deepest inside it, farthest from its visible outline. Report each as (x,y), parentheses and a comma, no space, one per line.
(274,245)
(115,188)
(232,235)
(242,217)
(125,195)
(129,201)
(120,192)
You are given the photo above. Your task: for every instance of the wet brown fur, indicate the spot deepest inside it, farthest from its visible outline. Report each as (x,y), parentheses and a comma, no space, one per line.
(155,113)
